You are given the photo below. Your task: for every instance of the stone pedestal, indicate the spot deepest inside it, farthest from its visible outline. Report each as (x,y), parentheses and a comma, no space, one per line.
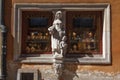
(58,67)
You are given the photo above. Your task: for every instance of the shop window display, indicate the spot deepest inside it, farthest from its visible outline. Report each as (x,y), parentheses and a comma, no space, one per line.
(35,36)
(84,31)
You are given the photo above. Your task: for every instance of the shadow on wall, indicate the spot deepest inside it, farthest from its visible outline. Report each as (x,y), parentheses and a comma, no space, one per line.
(70,71)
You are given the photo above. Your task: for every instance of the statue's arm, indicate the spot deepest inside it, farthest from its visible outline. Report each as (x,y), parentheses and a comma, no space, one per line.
(51,29)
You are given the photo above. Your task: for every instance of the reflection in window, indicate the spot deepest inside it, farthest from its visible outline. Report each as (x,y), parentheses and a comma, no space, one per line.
(35,36)
(84,31)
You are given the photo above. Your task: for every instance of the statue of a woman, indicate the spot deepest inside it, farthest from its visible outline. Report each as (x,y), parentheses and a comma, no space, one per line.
(57,32)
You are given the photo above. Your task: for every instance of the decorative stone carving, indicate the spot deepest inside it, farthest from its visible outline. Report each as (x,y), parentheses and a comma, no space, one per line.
(58,70)
(58,38)
(63,46)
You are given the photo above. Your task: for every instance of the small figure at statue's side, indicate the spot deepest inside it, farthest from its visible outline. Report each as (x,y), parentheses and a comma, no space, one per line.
(63,46)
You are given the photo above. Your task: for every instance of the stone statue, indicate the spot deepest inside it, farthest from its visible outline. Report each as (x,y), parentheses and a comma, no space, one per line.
(57,32)
(58,43)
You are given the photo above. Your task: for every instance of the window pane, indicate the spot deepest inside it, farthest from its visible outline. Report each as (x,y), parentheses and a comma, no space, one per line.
(84,30)
(35,36)
(27,76)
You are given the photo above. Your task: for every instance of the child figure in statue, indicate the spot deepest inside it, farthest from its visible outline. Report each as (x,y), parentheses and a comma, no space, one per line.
(63,46)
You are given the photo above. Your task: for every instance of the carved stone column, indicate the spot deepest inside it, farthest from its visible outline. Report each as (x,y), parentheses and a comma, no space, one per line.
(58,69)
(58,43)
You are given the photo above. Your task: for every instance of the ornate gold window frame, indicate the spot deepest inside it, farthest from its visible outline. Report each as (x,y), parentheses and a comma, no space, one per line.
(105,58)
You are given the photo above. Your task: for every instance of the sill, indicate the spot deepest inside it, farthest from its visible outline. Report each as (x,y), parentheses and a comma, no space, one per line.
(45,58)
(49,59)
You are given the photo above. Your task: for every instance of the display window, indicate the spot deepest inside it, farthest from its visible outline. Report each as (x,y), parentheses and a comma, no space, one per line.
(35,35)
(84,31)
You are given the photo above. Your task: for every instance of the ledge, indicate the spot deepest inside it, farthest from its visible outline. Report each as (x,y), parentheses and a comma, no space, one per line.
(95,59)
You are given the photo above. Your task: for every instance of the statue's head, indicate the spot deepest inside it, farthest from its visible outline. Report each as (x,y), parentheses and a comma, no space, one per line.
(58,24)
(58,15)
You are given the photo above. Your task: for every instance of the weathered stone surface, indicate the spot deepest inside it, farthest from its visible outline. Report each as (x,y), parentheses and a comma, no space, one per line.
(117,77)
(46,72)
(82,75)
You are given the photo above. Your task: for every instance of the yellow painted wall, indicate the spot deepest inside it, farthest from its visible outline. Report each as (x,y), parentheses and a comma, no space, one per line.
(115,34)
